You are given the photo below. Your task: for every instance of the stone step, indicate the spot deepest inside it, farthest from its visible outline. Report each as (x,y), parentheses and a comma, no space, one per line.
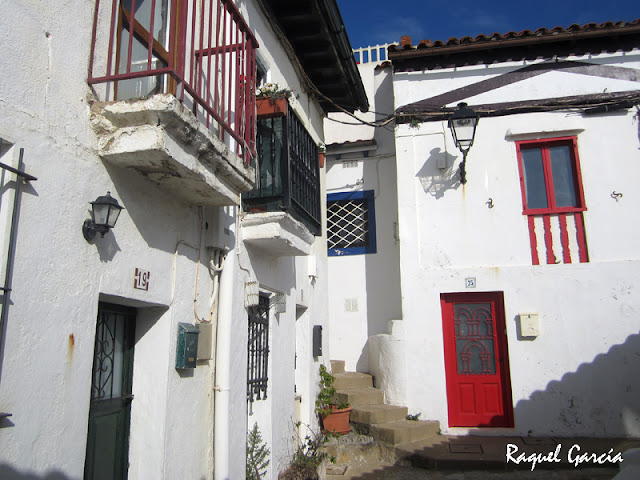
(463,453)
(352,380)
(373,414)
(360,396)
(355,449)
(402,431)
(337,366)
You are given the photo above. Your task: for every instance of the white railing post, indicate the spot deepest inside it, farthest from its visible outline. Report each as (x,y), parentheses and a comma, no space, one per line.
(380,53)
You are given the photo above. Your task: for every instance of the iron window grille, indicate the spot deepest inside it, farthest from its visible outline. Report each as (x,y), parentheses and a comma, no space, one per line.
(351,224)
(113,349)
(258,350)
(203,53)
(288,173)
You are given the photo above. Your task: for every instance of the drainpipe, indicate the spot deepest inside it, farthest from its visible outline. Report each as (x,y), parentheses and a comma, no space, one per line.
(223,370)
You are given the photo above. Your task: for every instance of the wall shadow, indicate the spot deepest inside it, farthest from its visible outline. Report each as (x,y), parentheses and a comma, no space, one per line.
(600,399)
(152,211)
(599,404)
(382,269)
(436,181)
(9,473)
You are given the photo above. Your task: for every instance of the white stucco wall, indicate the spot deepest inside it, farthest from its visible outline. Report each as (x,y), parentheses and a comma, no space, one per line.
(364,291)
(290,332)
(59,278)
(577,378)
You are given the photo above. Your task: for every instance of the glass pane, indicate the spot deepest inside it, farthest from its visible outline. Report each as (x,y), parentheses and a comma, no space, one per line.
(118,357)
(535,189)
(143,17)
(271,156)
(464,131)
(108,357)
(114,213)
(474,333)
(100,212)
(140,49)
(563,176)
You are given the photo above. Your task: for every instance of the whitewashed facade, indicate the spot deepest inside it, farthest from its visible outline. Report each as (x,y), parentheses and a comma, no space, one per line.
(364,291)
(206,259)
(573,373)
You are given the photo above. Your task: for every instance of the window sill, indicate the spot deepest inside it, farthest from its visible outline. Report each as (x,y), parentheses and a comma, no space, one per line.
(553,211)
(277,233)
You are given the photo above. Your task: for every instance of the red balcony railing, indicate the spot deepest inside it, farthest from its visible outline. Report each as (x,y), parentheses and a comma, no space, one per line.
(560,237)
(201,51)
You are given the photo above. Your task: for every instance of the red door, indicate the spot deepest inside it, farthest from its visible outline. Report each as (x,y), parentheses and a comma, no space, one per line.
(476,361)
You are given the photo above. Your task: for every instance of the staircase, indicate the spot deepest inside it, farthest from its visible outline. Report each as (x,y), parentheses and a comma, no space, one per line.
(371,416)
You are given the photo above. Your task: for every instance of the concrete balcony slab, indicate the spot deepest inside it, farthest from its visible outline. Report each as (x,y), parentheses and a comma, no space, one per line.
(162,139)
(277,233)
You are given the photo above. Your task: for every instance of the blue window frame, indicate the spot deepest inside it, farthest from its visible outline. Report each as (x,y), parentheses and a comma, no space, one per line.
(351,223)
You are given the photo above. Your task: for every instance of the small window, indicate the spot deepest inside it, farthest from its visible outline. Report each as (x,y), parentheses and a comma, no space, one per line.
(351,224)
(258,350)
(553,200)
(550,176)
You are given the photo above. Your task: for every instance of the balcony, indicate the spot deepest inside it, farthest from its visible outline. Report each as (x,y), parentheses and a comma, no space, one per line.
(283,209)
(175,80)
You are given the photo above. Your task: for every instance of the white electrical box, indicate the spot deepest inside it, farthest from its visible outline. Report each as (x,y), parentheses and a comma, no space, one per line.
(219,223)
(205,341)
(529,324)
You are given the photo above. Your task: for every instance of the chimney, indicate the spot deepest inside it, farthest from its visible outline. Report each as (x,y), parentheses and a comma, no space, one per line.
(405,41)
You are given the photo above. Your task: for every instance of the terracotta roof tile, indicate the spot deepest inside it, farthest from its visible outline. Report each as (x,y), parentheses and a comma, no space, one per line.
(466,40)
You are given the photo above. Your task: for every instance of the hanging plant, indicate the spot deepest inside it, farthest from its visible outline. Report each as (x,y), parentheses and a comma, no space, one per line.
(272,100)
(273,91)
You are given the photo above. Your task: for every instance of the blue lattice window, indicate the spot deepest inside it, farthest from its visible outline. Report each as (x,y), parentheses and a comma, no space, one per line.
(351,223)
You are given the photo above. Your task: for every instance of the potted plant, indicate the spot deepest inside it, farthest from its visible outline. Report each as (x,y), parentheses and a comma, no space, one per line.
(271,100)
(321,154)
(334,417)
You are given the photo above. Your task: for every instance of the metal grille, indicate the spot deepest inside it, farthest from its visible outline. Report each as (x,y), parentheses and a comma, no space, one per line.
(114,342)
(304,173)
(202,52)
(347,223)
(288,171)
(258,350)
(474,331)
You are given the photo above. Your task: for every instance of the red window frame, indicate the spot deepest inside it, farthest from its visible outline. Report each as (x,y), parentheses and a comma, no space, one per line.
(544,145)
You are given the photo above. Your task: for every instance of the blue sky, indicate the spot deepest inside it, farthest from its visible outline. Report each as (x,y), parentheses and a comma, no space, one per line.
(373,22)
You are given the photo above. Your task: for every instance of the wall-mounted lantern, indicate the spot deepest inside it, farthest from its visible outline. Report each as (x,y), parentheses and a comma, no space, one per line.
(104,214)
(463,125)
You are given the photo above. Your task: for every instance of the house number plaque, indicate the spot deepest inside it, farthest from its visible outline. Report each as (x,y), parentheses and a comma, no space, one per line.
(141,279)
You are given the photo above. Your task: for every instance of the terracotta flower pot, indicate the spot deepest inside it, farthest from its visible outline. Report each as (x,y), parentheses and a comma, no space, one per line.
(268,107)
(337,421)
(321,159)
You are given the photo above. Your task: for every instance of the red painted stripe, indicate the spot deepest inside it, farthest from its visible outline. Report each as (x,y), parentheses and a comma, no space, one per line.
(548,239)
(564,238)
(582,239)
(533,240)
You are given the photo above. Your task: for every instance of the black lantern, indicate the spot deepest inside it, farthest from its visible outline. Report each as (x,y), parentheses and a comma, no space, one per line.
(463,125)
(104,214)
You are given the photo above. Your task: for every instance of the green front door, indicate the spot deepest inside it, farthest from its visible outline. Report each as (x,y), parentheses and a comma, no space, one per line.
(107,455)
